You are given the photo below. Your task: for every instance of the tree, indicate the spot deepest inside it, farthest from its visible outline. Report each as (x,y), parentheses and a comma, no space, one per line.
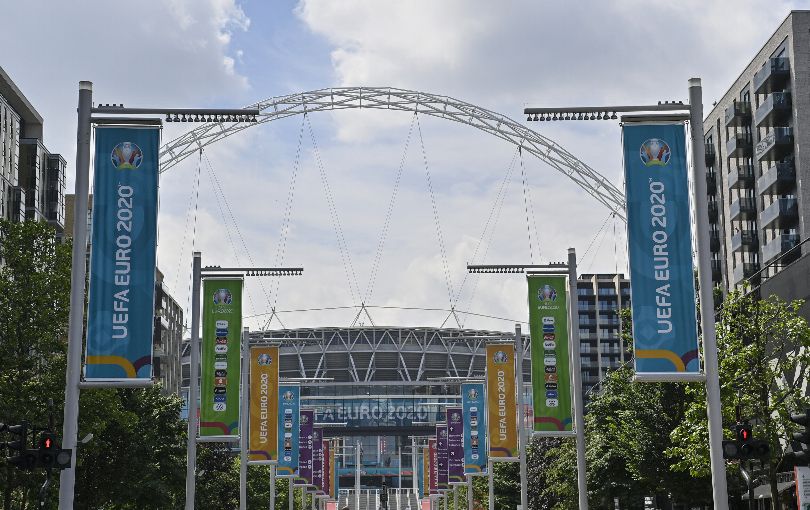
(764,357)
(137,456)
(34,299)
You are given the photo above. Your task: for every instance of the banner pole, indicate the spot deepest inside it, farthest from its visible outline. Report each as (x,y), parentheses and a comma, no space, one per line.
(576,378)
(522,442)
(78,273)
(243,426)
(490,467)
(469,492)
(290,495)
(713,404)
(414,455)
(357,476)
(272,505)
(194,389)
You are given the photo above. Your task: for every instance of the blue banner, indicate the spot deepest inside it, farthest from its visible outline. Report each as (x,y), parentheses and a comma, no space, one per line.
(475,437)
(120,315)
(289,407)
(660,250)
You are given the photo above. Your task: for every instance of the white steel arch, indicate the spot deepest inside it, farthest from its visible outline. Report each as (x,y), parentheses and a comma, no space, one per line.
(388,98)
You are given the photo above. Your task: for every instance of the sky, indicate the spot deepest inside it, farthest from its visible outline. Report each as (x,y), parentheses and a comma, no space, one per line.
(415,198)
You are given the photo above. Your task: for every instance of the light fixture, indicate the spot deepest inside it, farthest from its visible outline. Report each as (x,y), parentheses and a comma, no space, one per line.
(593,117)
(613,117)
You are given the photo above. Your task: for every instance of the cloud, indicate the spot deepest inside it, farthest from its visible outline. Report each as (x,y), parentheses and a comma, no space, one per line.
(172,53)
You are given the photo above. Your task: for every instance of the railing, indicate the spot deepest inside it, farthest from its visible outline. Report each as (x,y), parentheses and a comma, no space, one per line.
(737,112)
(776,138)
(775,104)
(775,70)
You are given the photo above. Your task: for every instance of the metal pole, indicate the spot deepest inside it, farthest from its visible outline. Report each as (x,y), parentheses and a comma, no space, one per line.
(357,476)
(272,505)
(399,454)
(469,492)
(194,388)
(490,467)
(291,495)
(78,272)
(576,378)
(243,425)
(522,436)
(414,460)
(713,409)
(455,498)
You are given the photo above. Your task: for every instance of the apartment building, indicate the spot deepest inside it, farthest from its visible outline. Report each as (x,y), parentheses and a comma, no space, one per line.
(758,177)
(32,180)
(600,297)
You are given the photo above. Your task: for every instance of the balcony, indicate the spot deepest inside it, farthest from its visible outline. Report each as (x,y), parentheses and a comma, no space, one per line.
(714,240)
(738,114)
(710,154)
(747,240)
(745,270)
(774,111)
(784,212)
(742,177)
(711,182)
(714,211)
(739,145)
(717,271)
(776,145)
(773,75)
(779,245)
(779,178)
(744,208)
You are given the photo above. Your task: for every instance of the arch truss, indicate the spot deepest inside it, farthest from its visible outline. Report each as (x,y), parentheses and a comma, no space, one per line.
(387,98)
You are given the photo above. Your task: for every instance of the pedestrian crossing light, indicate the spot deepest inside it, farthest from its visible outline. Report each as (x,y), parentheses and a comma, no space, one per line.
(744,446)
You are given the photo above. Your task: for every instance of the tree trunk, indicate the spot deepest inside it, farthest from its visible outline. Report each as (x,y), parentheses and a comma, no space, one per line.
(776,503)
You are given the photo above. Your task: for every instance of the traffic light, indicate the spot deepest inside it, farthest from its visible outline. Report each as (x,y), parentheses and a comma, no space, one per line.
(18,453)
(744,446)
(801,439)
(50,454)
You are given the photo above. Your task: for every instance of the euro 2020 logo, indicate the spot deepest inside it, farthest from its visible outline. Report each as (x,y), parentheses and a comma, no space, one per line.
(500,357)
(547,294)
(264,359)
(472,394)
(223,297)
(126,156)
(655,152)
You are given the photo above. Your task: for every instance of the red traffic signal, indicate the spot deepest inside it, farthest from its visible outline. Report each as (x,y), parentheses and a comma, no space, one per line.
(743,433)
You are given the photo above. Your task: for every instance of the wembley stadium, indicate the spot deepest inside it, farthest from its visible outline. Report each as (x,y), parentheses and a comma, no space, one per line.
(382,387)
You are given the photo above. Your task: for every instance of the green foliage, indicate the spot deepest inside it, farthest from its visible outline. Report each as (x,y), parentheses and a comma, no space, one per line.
(34,299)
(137,456)
(764,358)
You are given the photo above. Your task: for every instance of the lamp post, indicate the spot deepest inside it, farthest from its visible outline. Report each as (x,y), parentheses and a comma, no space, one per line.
(86,119)
(197,274)
(569,269)
(694,113)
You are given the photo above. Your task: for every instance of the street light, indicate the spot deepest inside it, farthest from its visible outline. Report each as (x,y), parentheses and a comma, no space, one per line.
(693,112)
(78,273)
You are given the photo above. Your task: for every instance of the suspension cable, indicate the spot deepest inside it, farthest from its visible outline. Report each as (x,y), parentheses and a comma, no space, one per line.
(445,264)
(582,257)
(526,202)
(497,207)
(195,197)
(386,224)
(345,255)
(221,192)
(281,247)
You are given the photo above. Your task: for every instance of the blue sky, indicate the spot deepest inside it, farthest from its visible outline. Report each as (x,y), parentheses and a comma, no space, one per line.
(502,56)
